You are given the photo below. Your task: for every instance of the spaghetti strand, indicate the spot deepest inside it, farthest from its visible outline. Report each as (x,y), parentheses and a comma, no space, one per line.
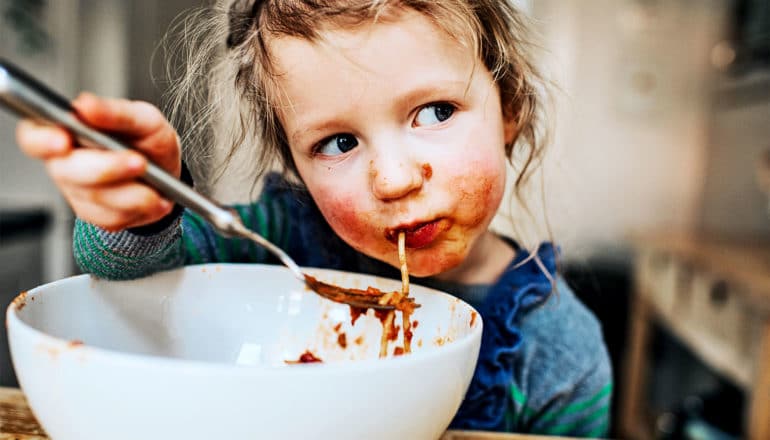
(405,315)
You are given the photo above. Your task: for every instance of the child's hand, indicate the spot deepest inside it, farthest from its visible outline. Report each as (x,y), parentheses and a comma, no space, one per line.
(101,186)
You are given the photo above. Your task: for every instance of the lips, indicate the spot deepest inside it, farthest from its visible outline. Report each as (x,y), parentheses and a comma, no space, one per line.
(419,235)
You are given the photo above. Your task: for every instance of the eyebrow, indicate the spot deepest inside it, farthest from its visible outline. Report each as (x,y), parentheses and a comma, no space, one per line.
(321,127)
(430,91)
(433,91)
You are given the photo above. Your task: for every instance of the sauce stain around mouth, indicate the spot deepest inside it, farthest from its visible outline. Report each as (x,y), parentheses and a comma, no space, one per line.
(420,235)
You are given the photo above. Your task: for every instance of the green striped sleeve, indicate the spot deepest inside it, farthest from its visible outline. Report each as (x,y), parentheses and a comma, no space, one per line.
(600,430)
(520,411)
(577,407)
(204,244)
(584,413)
(193,238)
(188,240)
(124,255)
(585,423)
(247,216)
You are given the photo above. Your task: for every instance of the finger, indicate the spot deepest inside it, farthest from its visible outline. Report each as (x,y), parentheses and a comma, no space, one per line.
(132,118)
(126,196)
(108,219)
(87,167)
(163,149)
(42,141)
(118,207)
(141,123)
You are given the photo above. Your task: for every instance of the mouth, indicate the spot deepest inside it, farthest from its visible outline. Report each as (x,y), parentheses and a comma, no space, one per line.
(419,234)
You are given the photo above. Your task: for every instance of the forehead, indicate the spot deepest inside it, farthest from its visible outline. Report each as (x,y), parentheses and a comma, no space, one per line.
(347,33)
(405,51)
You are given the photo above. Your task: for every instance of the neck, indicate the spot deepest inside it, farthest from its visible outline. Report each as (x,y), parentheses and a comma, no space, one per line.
(489,257)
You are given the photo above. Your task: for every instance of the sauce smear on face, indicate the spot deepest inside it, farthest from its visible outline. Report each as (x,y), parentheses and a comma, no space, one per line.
(427,171)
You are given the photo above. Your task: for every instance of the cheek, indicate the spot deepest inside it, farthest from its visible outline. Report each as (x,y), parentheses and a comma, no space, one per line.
(479,192)
(346,216)
(344,210)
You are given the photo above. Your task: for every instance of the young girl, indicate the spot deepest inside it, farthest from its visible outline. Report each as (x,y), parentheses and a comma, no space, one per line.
(392,116)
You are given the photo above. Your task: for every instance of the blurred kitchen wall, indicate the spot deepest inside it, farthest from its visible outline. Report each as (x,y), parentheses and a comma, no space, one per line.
(632,120)
(24,186)
(658,130)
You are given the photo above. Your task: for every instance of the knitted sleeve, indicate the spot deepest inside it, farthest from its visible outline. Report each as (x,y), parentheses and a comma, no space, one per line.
(186,239)
(126,255)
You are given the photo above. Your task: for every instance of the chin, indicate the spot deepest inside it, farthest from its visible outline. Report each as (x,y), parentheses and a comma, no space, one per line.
(425,262)
(423,273)
(422,266)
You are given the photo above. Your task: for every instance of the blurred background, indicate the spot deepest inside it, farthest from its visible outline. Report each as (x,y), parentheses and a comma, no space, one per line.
(656,186)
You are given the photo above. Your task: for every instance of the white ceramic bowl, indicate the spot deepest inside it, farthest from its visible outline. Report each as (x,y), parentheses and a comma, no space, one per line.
(200,353)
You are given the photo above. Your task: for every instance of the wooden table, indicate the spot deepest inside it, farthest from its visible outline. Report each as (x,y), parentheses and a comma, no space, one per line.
(18,423)
(16,420)
(713,294)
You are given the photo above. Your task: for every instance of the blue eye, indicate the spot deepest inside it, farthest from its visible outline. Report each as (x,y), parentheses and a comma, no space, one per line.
(434,114)
(336,145)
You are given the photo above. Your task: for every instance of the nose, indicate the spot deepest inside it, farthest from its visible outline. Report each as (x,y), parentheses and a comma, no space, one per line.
(394,175)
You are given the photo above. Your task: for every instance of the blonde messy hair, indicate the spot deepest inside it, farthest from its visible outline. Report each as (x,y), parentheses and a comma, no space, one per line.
(224,96)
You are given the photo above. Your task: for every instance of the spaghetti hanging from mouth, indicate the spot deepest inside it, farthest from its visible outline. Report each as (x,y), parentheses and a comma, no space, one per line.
(406,313)
(389,332)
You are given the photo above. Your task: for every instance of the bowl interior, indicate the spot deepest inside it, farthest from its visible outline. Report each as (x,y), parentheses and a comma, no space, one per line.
(243,314)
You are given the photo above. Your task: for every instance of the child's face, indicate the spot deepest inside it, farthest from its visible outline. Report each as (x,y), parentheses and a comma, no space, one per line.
(395,126)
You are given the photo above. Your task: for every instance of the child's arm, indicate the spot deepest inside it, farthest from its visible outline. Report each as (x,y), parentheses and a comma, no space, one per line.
(185,239)
(124,254)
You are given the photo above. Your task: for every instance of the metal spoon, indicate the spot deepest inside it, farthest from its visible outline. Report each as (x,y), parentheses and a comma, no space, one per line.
(27,97)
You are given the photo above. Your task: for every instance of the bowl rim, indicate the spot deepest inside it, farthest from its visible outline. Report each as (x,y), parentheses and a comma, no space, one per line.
(14,323)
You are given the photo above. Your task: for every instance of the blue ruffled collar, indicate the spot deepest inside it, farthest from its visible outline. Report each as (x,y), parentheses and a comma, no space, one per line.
(522,286)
